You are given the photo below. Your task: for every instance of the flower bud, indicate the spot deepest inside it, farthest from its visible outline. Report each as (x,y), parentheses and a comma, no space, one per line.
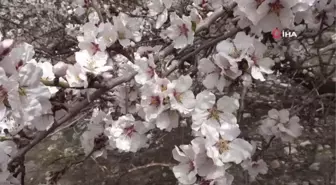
(5,46)
(60,69)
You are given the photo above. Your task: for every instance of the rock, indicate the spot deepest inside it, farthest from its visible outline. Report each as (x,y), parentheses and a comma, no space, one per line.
(327,146)
(305,183)
(319,147)
(305,143)
(275,164)
(292,183)
(315,166)
(292,150)
(313,182)
(246,115)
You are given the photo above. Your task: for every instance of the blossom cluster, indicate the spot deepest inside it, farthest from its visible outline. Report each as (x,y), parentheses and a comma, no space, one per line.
(153,99)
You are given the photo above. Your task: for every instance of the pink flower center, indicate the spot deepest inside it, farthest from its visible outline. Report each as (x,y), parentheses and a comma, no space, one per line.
(276,7)
(203,4)
(150,72)
(255,59)
(3,93)
(87,3)
(5,52)
(18,65)
(191,166)
(129,131)
(177,96)
(95,47)
(205,182)
(183,30)
(155,100)
(259,2)
(255,165)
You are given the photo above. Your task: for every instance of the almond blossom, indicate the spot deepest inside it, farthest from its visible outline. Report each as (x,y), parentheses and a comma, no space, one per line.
(89,40)
(209,116)
(258,63)
(269,14)
(129,134)
(235,50)
(127,29)
(81,6)
(167,120)
(93,139)
(214,78)
(191,160)
(145,68)
(95,64)
(154,103)
(281,125)
(255,168)
(181,98)
(107,34)
(60,69)
(228,149)
(76,76)
(180,31)
(33,95)
(17,57)
(159,8)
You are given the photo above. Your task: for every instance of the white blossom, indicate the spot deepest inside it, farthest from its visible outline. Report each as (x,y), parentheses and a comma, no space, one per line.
(180,31)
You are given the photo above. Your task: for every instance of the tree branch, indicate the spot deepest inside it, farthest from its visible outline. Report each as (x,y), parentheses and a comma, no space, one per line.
(202,26)
(72,113)
(205,46)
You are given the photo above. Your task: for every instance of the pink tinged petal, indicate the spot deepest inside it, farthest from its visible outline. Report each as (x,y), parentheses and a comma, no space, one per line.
(284,115)
(270,22)
(188,100)
(211,80)
(183,83)
(180,42)
(287,18)
(222,82)
(210,130)
(167,120)
(198,145)
(206,167)
(30,75)
(178,155)
(213,153)
(205,100)
(161,19)
(43,122)
(263,8)
(224,47)
(229,132)
(32,108)
(100,58)
(40,92)
(2,110)
(265,65)
(184,175)
(228,104)
(206,66)
(256,73)
(273,113)
(227,118)
(188,151)
(125,42)
(244,147)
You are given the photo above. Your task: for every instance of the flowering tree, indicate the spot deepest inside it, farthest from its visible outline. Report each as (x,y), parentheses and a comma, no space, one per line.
(155,67)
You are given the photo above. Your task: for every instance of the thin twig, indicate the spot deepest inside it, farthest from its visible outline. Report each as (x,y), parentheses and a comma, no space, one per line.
(72,113)
(205,46)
